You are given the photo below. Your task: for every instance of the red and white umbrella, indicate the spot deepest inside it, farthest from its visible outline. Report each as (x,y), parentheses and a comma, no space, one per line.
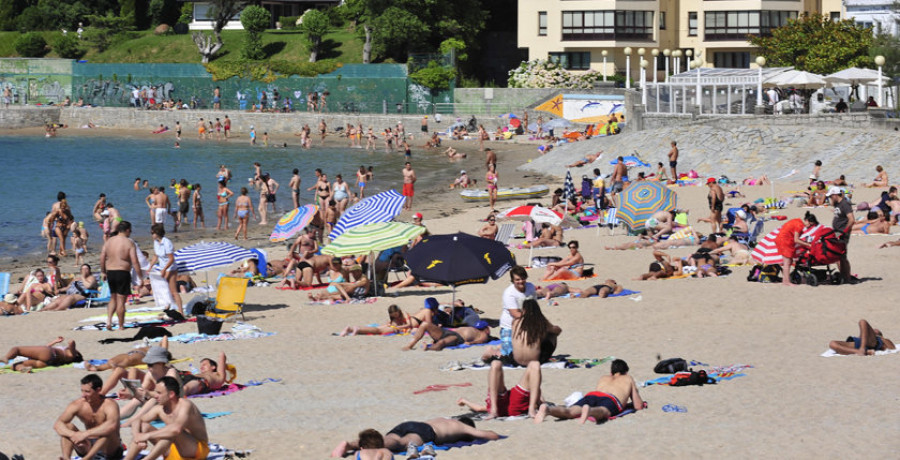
(538,214)
(766,252)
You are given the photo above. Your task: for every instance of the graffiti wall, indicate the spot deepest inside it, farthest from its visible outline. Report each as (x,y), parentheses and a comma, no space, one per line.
(37,81)
(585,108)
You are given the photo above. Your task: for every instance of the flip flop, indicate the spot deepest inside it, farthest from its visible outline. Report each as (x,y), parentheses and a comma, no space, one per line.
(674,408)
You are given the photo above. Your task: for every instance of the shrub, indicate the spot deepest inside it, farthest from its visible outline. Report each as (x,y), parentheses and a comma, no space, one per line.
(541,73)
(187,13)
(434,76)
(31,44)
(268,71)
(68,46)
(255,20)
(288,22)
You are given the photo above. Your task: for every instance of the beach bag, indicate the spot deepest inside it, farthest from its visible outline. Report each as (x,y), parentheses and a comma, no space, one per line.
(764,274)
(542,261)
(683,379)
(670,366)
(693,174)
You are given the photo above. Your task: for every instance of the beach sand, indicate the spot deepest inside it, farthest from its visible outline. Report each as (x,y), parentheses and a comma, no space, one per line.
(792,403)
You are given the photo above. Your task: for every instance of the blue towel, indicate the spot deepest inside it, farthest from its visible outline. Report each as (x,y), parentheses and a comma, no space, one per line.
(206,415)
(474,442)
(459,347)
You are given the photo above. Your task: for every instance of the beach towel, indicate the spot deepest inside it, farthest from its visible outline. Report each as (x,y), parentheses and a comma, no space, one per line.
(574,279)
(234,388)
(457,444)
(469,345)
(216,452)
(339,302)
(625,292)
(719,374)
(193,337)
(559,362)
(301,288)
(829,353)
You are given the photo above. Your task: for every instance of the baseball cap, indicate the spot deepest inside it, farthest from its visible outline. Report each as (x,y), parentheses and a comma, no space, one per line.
(711,180)
(833,191)
(480,324)
(156,355)
(417,215)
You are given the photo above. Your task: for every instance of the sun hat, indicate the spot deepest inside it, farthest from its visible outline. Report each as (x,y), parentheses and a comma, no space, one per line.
(156,355)
(463,171)
(10,298)
(833,191)
(481,324)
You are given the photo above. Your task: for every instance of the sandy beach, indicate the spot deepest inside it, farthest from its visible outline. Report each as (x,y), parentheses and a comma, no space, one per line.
(792,403)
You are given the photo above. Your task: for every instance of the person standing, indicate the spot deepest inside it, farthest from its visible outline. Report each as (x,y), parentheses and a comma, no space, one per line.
(217,98)
(788,240)
(409,180)
(117,258)
(243,207)
(184,203)
(425,124)
(842,225)
(673,160)
(197,201)
(294,184)
(716,199)
(516,293)
(164,256)
(492,178)
(620,173)
(322,128)
(226,126)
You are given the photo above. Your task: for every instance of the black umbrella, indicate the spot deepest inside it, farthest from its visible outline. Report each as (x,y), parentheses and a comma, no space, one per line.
(458,259)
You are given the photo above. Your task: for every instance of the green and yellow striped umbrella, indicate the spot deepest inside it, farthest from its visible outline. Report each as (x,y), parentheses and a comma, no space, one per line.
(372,237)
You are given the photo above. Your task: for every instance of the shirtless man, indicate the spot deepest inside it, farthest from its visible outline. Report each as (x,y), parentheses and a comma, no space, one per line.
(184,203)
(160,205)
(306,269)
(409,181)
(100,417)
(618,179)
(184,435)
(716,199)
(489,157)
(438,431)
(662,223)
(673,160)
(610,398)
(523,398)
(117,259)
(100,206)
(450,337)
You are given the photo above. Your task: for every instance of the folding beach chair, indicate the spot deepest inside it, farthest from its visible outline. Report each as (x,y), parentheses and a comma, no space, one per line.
(610,221)
(229,299)
(750,238)
(504,233)
(101,295)
(4,283)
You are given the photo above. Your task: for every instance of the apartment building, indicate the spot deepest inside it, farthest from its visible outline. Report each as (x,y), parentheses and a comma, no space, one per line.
(577,33)
(883,16)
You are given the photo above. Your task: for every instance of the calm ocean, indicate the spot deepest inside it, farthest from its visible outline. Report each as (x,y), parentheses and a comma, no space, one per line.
(83,167)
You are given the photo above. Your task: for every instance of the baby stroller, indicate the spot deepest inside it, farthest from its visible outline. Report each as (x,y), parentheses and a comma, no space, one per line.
(826,248)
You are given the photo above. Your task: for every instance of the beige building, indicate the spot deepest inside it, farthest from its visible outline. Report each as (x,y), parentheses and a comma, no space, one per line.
(577,33)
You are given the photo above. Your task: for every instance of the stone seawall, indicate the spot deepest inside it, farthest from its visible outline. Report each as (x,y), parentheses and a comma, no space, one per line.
(27,117)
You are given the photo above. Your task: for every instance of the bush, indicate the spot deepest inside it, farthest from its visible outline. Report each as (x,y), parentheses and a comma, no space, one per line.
(68,46)
(268,71)
(31,44)
(255,20)
(288,22)
(187,13)
(541,73)
(434,76)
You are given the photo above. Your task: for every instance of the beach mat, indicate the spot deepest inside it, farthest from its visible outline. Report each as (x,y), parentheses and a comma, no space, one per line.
(234,388)
(829,353)
(719,374)
(193,337)
(341,302)
(457,444)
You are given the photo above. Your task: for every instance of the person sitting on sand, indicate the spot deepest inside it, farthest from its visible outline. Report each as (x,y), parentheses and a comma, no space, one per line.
(75,292)
(502,402)
(660,269)
(739,252)
(604,290)
(490,228)
(100,417)
(551,237)
(39,357)
(463,181)
(305,270)
(874,224)
(816,194)
(586,160)
(184,435)
(662,223)
(840,181)
(869,341)
(570,268)
(444,337)
(344,290)
(881,179)
(31,296)
(400,323)
(409,435)
(614,393)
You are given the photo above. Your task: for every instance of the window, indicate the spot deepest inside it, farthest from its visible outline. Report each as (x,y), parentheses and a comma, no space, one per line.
(732,60)
(736,25)
(607,25)
(835,16)
(692,23)
(542,23)
(662,20)
(573,60)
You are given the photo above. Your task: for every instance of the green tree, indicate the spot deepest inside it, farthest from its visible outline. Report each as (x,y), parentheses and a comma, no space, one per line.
(103,30)
(31,44)
(255,20)
(221,11)
(434,76)
(816,44)
(314,26)
(397,32)
(164,11)
(888,46)
(68,46)
(454,47)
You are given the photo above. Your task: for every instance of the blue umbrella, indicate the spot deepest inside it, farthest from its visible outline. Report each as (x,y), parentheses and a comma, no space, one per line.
(203,256)
(557,123)
(382,207)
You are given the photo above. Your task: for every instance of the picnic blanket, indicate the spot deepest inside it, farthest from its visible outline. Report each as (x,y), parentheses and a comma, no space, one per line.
(234,388)
(829,353)
(216,452)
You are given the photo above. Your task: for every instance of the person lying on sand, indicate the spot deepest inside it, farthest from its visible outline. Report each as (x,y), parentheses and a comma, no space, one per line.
(438,431)
(604,290)
(551,236)
(444,337)
(614,393)
(100,417)
(344,291)
(874,224)
(739,252)
(39,357)
(660,269)
(586,160)
(869,341)
(889,244)
(123,361)
(553,290)
(400,322)
(502,402)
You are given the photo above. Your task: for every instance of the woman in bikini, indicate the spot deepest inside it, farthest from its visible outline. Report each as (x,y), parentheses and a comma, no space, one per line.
(75,292)
(34,291)
(64,220)
(492,177)
(570,268)
(323,194)
(606,289)
(197,201)
(222,197)
(400,322)
(42,356)
(243,208)
(345,291)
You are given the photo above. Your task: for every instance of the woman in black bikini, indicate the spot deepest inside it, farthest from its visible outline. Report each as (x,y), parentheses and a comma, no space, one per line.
(43,356)
(606,289)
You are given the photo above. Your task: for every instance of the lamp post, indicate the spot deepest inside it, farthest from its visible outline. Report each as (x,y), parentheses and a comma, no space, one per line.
(879,61)
(627,52)
(655,53)
(666,53)
(644,64)
(687,59)
(698,63)
(760,63)
(604,53)
(677,62)
(643,77)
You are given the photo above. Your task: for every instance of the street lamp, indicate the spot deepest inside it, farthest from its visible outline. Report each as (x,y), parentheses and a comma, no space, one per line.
(604,53)
(879,61)
(627,52)
(760,63)
(698,63)
(655,54)
(667,52)
(687,59)
(644,64)
(677,68)
(643,78)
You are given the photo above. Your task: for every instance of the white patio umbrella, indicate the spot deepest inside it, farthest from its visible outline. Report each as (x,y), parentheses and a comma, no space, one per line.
(855,76)
(797,79)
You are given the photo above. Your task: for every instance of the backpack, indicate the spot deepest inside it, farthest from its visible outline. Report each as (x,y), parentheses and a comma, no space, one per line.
(683,379)
(765,274)
(670,366)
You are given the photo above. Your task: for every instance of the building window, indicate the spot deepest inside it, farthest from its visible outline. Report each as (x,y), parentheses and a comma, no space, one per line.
(835,16)
(573,60)
(662,20)
(732,60)
(736,25)
(542,23)
(607,25)
(692,23)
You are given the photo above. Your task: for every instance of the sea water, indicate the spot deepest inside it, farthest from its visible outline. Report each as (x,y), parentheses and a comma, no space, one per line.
(37,168)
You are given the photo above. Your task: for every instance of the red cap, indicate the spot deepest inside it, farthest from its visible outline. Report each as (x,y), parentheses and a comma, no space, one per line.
(711,180)
(417,215)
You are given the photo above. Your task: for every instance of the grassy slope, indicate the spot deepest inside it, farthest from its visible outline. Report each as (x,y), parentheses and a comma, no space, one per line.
(339,44)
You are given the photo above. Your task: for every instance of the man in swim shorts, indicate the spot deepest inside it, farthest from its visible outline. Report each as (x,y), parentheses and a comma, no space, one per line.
(716,200)
(673,160)
(610,398)
(117,258)
(450,337)
(437,430)
(409,181)
(100,417)
(190,442)
(869,341)
(502,402)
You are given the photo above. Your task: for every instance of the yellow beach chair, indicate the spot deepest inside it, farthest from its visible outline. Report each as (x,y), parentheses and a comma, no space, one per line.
(229,299)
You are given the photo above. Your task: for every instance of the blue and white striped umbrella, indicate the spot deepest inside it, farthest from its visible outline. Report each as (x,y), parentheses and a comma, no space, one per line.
(203,256)
(382,207)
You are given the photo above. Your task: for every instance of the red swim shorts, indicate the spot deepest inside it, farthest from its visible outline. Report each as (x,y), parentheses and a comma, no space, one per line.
(512,402)
(408,190)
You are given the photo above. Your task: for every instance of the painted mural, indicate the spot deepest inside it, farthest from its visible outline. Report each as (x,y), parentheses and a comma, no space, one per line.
(585,108)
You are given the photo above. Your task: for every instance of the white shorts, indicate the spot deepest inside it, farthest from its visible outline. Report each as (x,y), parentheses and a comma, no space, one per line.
(160,216)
